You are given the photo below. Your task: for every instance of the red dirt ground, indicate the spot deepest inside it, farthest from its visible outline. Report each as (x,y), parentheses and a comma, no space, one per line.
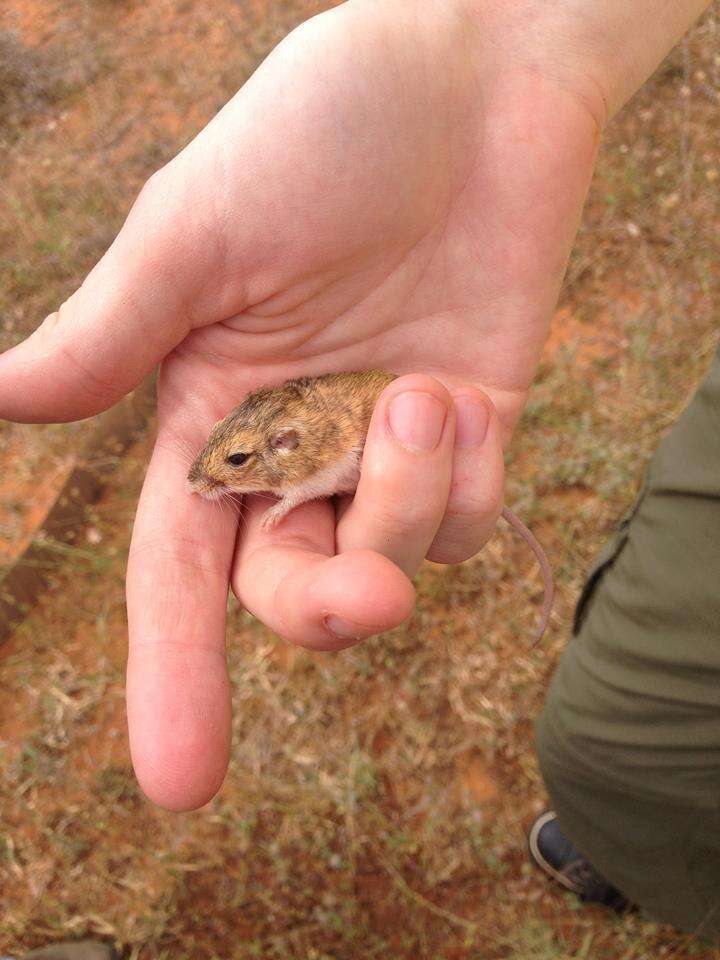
(368,790)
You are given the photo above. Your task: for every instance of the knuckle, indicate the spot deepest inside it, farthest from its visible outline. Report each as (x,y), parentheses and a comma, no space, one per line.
(151,189)
(102,392)
(468,517)
(422,382)
(452,551)
(183,556)
(474,393)
(462,534)
(466,514)
(473,510)
(156,196)
(396,505)
(396,519)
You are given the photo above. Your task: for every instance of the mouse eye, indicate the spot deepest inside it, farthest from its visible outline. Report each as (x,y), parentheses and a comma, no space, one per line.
(237,459)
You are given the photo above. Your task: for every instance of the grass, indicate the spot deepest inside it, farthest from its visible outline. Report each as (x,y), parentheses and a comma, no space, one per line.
(377,800)
(28,80)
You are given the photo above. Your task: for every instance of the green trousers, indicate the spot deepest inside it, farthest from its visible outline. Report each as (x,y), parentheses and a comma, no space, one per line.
(629,739)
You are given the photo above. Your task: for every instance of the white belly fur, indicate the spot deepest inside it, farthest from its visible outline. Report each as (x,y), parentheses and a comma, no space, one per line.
(340,477)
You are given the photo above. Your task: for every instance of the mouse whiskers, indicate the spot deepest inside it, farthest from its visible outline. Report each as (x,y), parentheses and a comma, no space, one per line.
(180,446)
(230,505)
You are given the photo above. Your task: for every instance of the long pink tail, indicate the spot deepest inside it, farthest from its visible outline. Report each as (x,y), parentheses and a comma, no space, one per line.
(517,524)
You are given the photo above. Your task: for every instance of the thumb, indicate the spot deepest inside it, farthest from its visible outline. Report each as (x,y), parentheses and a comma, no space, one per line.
(131,310)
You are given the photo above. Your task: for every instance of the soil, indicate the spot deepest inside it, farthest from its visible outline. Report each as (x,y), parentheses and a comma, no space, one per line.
(28,489)
(376,801)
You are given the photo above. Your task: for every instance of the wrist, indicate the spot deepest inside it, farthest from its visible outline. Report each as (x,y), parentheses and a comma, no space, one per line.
(600,50)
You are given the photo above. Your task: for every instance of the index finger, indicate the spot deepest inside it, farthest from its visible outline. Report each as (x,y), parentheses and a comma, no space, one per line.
(178,696)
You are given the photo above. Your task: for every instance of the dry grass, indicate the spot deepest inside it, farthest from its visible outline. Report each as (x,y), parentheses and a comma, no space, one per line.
(27,80)
(376,801)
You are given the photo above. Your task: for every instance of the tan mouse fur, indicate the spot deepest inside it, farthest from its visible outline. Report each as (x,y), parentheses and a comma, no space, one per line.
(304,440)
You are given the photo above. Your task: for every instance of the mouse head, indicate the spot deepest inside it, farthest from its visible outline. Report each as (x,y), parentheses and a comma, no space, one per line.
(257,447)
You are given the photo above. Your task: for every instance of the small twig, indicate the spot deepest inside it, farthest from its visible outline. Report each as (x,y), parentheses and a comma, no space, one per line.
(418,898)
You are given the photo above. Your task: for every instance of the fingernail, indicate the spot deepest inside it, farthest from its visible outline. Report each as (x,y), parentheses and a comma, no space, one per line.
(417,420)
(473,418)
(345,629)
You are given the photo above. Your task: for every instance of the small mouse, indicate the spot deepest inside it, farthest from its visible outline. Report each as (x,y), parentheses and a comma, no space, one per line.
(304,441)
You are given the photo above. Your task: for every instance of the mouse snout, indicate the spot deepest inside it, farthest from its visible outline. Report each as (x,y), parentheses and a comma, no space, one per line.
(200,481)
(206,487)
(196,472)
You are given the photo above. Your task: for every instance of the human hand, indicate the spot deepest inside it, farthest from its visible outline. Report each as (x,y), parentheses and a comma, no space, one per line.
(387,191)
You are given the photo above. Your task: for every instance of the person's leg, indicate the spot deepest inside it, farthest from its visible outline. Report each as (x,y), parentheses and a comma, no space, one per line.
(629,740)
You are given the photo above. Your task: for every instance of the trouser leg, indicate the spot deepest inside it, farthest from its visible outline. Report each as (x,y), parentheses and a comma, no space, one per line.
(629,740)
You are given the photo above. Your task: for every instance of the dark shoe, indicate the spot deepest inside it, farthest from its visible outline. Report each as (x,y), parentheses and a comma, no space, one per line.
(80,950)
(559,859)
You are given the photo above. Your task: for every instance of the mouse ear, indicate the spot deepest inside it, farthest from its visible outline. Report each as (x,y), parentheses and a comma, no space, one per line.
(285,439)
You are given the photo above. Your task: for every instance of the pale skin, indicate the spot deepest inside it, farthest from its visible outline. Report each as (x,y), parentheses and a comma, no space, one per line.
(397,187)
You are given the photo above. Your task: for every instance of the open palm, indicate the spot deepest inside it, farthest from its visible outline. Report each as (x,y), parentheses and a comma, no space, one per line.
(385,192)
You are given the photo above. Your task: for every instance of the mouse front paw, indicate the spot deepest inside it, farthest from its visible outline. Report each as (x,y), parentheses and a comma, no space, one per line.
(274,515)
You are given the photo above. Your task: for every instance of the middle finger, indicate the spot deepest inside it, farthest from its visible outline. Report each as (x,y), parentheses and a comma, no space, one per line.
(406,473)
